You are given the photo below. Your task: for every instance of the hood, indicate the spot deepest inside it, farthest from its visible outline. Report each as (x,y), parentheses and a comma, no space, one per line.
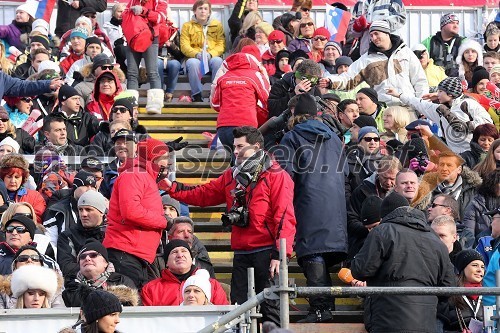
(136,164)
(96,85)
(209,22)
(396,42)
(469,44)
(240,60)
(470,177)
(408,217)
(126,295)
(289,78)
(313,130)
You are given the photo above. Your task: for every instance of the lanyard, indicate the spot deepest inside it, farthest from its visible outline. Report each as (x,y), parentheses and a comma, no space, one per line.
(470,305)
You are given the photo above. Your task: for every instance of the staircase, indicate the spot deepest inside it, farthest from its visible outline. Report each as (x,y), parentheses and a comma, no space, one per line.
(196,164)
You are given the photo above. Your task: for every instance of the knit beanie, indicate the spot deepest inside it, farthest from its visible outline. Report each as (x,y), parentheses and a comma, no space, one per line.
(176,243)
(99,303)
(167,200)
(33,277)
(21,250)
(370,93)
(92,40)
(66,92)
(84,19)
(42,40)
(495,69)
(370,211)
(84,178)
(342,60)
(48,64)
(93,244)
(126,103)
(465,257)
(452,86)
(10,142)
(265,27)
(391,202)
(93,199)
(335,45)
(41,26)
(29,7)
(306,104)
(150,149)
(280,55)
(296,55)
(380,25)
(200,279)
(322,31)
(365,130)
(480,73)
(448,18)
(24,220)
(364,120)
(78,32)
(100,60)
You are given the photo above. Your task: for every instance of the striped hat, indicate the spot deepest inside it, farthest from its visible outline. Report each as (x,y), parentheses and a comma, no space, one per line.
(380,25)
(452,86)
(448,18)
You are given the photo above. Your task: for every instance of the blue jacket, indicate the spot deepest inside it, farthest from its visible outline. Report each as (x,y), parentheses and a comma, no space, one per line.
(10,86)
(313,156)
(489,277)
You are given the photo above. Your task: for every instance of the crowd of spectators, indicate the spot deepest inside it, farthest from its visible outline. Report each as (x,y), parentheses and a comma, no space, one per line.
(362,152)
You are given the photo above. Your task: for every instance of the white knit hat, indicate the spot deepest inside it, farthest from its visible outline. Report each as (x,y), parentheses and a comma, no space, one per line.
(47,64)
(33,277)
(10,142)
(200,279)
(41,26)
(29,7)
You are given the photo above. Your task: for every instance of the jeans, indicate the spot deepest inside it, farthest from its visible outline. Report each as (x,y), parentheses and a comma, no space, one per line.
(129,265)
(194,74)
(173,69)
(150,58)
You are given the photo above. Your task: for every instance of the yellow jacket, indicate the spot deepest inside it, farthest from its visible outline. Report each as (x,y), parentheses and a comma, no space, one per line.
(192,38)
(434,74)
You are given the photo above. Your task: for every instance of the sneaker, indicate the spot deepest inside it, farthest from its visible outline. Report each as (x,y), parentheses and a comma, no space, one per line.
(168,97)
(197,98)
(185,99)
(317,316)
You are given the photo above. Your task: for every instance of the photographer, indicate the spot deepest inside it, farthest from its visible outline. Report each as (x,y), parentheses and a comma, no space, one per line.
(258,195)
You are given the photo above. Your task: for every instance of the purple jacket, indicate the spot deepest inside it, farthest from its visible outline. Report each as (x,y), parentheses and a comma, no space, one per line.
(11,34)
(299,43)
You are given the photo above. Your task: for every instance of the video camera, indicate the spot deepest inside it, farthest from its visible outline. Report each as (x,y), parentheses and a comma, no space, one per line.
(238,214)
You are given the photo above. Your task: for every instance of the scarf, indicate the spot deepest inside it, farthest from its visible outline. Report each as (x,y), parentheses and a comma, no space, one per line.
(453,190)
(100,282)
(473,285)
(244,173)
(60,149)
(184,277)
(24,27)
(116,22)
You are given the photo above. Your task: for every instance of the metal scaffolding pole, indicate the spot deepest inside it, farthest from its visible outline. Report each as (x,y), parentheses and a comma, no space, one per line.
(284,295)
(366,291)
(251,293)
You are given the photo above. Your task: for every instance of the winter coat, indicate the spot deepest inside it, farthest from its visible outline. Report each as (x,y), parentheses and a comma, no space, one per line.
(401,70)
(67,15)
(327,67)
(7,257)
(434,74)
(26,142)
(155,11)
(442,55)
(464,46)
(192,38)
(269,63)
(474,217)
(71,294)
(393,256)
(236,19)
(167,290)
(101,105)
(34,198)
(10,86)
(270,209)
(241,94)
(114,32)
(473,156)
(300,43)
(361,166)
(135,216)
(80,127)
(60,217)
(12,35)
(457,141)
(86,86)
(470,181)
(489,279)
(67,62)
(71,241)
(314,158)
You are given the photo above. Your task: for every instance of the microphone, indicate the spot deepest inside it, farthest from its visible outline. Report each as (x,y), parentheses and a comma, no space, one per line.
(345,275)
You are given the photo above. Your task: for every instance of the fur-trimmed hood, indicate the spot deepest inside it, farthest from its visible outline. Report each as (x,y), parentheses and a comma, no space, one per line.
(87,74)
(126,295)
(469,44)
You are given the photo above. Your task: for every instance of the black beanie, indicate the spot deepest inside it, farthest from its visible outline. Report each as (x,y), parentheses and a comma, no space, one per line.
(176,243)
(480,73)
(66,92)
(24,220)
(370,93)
(99,303)
(281,54)
(391,202)
(364,120)
(370,211)
(127,103)
(92,40)
(306,104)
(42,40)
(93,244)
(27,247)
(295,55)
(465,257)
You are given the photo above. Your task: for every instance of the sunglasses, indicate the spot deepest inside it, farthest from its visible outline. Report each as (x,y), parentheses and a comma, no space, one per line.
(303,25)
(321,38)
(4,120)
(376,139)
(28,215)
(107,67)
(119,110)
(91,16)
(26,99)
(20,230)
(434,205)
(277,41)
(313,79)
(25,258)
(305,9)
(92,255)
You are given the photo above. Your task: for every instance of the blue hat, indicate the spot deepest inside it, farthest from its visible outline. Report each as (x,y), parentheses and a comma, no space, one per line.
(78,32)
(411,126)
(365,130)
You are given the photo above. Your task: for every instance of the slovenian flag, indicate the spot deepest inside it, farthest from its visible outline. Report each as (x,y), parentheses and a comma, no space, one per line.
(337,22)
(44,9)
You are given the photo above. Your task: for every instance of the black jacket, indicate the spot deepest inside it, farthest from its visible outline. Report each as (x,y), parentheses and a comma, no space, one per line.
(7,256)
(69,244)
(26,142)
(361,166)
(402,252)
(60,217)
(67,15)
(236,19)
(473,156)
(80,127)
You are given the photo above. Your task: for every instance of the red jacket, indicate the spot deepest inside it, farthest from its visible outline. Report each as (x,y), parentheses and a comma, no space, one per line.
(241,94)
(69,60)
(167,290)
(268,60)
(100,105)
(135,218)
(35,199)
(271,207)
(154,10)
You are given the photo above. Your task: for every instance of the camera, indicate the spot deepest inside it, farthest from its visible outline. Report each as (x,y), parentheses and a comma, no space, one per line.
(238,214)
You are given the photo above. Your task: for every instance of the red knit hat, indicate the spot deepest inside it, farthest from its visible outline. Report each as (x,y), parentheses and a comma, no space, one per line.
(150,149)
(253,50)
(322,32)
(277,35)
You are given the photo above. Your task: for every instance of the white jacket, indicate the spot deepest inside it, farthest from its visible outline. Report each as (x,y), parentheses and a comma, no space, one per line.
(457,141)
(402,70)
(114,32)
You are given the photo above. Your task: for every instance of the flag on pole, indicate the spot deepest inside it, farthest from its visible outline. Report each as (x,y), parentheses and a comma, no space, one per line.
(45,8)
(337,22)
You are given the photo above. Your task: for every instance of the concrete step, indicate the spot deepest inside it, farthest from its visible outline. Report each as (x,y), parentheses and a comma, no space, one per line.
(184,108)
(187,116)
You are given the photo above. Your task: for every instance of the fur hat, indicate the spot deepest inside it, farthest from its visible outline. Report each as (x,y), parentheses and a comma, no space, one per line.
(468,44)
(465,257)
(380,25)
(33,277)
(200,279)
(452,86)
(10,142)
(14,161)
(94,199)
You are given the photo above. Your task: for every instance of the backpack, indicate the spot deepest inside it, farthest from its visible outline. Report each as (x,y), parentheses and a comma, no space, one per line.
(137,31)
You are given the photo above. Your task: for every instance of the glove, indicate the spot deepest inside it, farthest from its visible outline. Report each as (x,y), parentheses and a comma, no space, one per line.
(177,144)
(104,126)
(415,165)
(360,24)
(137,9)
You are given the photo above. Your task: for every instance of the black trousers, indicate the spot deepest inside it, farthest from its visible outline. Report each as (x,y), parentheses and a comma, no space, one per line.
(239,282)
(133,267)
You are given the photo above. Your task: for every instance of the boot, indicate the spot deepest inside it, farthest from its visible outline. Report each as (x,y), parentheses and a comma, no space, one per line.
(143,76)
(155,101)
(168,97)
(316,315)
(197,98)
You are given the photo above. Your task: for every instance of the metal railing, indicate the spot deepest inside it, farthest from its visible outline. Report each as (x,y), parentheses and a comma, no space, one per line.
(284,292)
